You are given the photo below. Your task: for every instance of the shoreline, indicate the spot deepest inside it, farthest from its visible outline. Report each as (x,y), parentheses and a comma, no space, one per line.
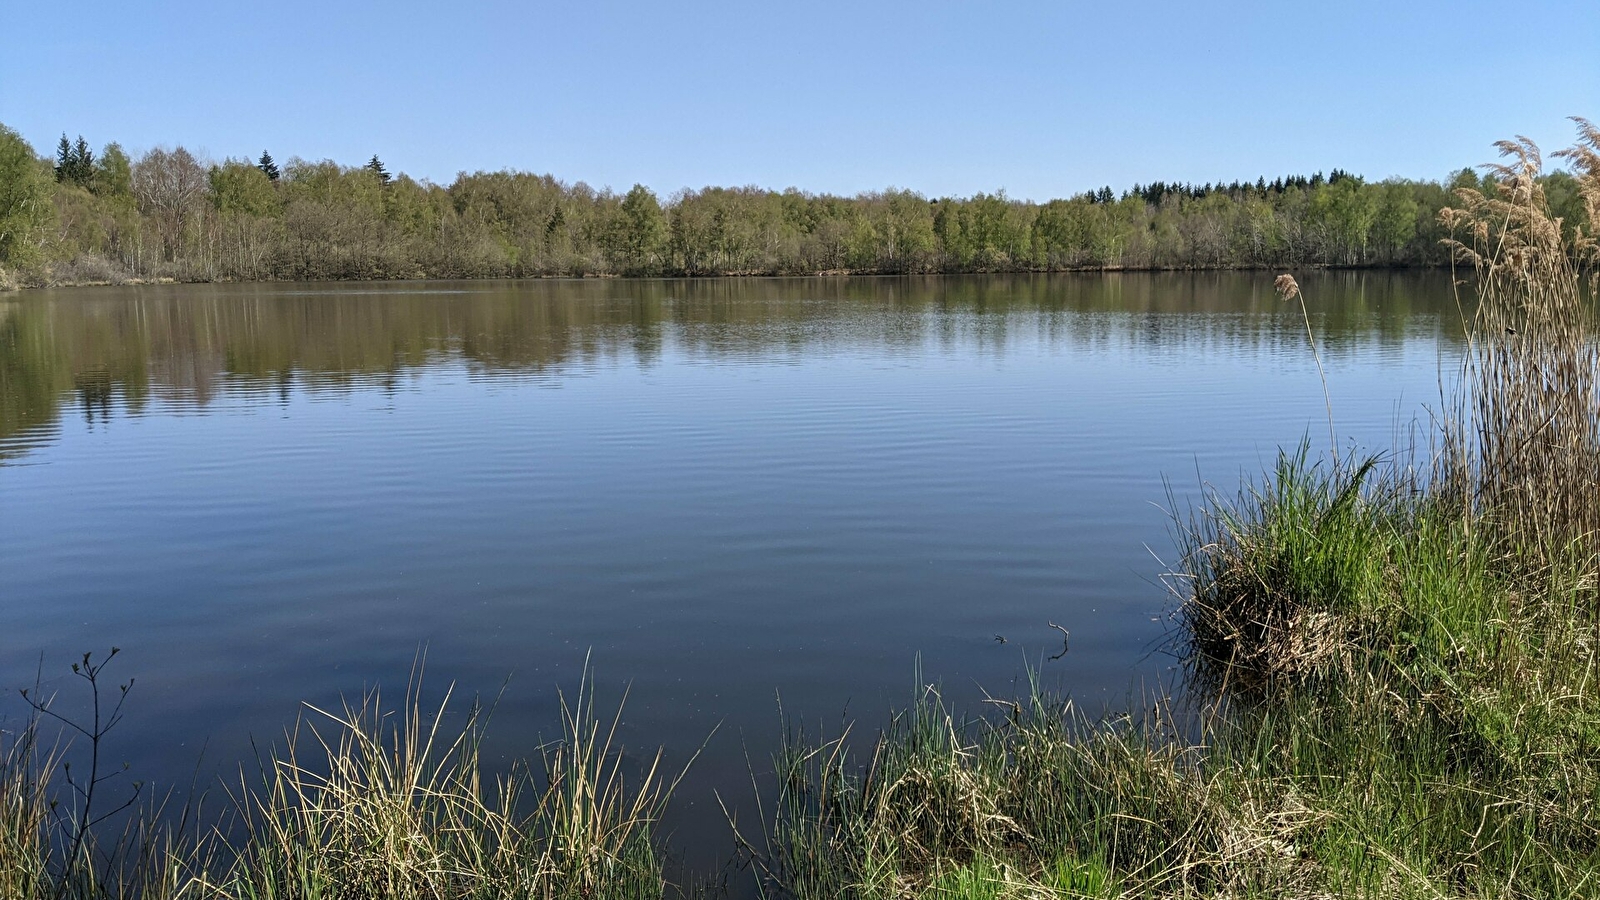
(17,288)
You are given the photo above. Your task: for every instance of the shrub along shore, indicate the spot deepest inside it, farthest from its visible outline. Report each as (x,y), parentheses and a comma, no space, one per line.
(1393,691)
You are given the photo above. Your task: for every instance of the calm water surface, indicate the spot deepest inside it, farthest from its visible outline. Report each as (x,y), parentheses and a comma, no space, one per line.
(723,493)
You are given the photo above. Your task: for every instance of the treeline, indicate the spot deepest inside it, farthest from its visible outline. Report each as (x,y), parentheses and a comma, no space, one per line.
(86,216)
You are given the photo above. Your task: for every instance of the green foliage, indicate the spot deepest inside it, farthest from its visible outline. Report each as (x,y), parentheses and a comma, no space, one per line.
(26,214)
(240,187)
(637,230)
(327,220)
(113,174)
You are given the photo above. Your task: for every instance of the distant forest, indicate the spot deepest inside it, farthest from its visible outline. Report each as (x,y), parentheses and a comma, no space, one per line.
(85,216)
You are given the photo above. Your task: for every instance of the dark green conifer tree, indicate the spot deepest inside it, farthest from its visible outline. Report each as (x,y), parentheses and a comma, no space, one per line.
(74,161)
(64,159)
(375,166)
(267,166)
(82,163)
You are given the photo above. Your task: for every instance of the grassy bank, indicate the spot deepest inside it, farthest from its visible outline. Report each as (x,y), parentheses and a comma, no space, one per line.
(1381,710)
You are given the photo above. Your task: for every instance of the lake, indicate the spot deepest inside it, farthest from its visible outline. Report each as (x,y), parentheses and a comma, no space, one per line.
(732,497)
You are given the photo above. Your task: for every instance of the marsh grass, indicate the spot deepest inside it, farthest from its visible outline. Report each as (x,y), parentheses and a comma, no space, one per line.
(363,802)
(1433,704)
(25,770)
(1036,801)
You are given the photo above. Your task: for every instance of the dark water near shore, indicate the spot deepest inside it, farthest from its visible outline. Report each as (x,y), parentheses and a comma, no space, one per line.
(721,492)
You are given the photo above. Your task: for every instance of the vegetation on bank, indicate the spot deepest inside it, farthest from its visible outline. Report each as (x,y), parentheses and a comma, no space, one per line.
(1394,670)
(1383,709)
(1393,674)
(86,217)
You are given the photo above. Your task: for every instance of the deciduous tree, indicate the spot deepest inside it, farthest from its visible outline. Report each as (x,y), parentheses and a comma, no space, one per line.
(26,213)
(170,187)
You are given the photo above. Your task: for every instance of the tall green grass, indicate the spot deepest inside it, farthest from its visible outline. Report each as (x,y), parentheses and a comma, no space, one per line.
(25,770)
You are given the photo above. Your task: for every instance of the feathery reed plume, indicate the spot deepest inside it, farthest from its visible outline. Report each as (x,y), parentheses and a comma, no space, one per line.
(1585,158)
(1289,289)
(1523,447)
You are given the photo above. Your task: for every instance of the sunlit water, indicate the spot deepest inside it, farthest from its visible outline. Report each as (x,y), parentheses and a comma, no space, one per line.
(728,495)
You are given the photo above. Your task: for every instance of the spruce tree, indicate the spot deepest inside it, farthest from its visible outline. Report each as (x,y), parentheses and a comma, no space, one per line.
(267,166)
(82,163)
(63,158)
(376,167)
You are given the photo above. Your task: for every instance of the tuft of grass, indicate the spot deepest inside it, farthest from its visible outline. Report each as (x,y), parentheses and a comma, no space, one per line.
(362,802)
(25,812)
(1039,801)
(1432,704)
(1270,577)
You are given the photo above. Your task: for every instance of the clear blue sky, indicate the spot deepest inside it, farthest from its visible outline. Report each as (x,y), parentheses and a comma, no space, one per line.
(1041,99)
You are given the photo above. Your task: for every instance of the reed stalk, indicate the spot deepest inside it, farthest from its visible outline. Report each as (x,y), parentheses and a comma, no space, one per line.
(1288,289)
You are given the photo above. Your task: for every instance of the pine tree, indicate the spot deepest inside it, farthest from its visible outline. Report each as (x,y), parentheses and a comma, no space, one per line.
(376,167)
(267,166)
